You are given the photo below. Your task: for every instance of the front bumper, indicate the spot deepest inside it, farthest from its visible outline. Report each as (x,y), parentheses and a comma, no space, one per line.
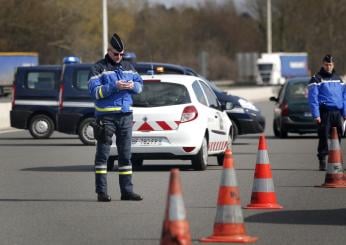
(298,127)
(248,122)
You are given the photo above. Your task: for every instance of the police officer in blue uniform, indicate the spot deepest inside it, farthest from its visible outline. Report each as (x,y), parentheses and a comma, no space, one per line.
(327,99)
(111,87)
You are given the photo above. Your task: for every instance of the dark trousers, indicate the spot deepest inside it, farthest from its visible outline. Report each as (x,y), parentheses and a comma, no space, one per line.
(119,124)
(329,119)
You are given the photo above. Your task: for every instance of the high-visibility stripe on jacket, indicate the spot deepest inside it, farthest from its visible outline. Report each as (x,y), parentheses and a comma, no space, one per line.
(327,91)
(103,78)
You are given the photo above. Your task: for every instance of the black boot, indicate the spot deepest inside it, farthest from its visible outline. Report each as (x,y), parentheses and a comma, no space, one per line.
(131,197)
(323,164)
(103,197)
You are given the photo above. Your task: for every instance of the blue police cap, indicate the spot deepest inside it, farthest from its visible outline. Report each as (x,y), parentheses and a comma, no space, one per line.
(116,43)
(328,58)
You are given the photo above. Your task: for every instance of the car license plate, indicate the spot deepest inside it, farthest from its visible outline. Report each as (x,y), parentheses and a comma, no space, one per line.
(307,114)
(146,141)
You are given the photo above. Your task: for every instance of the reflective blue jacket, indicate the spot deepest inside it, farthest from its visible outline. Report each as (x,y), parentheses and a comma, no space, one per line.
(327,91)
(107,97)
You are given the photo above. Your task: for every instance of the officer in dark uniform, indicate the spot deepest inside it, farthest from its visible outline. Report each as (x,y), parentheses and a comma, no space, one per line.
(111,86)
(327,99)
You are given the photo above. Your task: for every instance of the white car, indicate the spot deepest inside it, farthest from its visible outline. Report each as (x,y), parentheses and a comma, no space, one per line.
(178,117)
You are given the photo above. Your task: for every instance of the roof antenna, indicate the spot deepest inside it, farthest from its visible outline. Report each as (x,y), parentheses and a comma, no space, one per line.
(152,71)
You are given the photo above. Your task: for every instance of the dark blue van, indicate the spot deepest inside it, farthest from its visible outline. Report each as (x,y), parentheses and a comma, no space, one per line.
(76,108)
(35,99)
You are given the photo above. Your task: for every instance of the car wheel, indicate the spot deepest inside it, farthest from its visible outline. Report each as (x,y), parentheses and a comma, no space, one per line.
(137,162)
(221,156)
(235,131)
(200,161)
(110,163)
(86,132)
(275,129)
(41,127)
(282,132)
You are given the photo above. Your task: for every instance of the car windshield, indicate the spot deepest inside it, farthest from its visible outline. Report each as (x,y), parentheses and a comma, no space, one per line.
(214,87)
(297,91)
(265,67)
(157,93)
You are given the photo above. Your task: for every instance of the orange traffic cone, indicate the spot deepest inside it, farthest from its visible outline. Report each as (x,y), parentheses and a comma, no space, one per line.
(335,174)
(175,229)
(229,224)
(263,194)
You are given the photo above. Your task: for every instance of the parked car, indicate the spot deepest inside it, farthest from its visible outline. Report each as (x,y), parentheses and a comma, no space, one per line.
(292,112)
(178,117)
(245,116)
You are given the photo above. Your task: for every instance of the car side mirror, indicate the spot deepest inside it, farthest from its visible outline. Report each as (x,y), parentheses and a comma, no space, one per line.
(272,98)
(227,106)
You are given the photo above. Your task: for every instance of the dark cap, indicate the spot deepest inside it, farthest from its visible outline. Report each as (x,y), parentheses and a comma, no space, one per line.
(328,58)
(116,43)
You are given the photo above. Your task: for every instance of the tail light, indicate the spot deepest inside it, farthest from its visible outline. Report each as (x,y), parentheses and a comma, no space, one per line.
(284,109)
(189,113)
(61,101)
(13,95)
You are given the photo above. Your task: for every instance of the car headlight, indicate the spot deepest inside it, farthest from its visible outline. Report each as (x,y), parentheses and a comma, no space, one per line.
(247,105)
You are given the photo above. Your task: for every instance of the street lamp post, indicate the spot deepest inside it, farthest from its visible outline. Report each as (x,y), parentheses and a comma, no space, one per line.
(269,26)
(105,26)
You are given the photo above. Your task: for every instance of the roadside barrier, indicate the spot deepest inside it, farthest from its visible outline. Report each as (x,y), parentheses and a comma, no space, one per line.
(229,224)
(335,174)
(263,193)
(175,229)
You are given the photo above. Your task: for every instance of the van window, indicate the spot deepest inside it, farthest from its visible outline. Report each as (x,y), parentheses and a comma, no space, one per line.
(161,94)
(80,80)
(41,80)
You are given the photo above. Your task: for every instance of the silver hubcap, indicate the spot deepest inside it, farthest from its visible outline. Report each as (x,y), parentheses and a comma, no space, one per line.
(41,126)
(205,151)
(89,132)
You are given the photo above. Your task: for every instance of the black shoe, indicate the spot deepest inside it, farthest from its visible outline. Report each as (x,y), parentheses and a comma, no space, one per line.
(323,164)
(131,197)
(103,197)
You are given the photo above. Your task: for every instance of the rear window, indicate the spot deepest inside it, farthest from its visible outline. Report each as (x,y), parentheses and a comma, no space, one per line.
(41,80)
(297,91)
(80,79)
(157,93)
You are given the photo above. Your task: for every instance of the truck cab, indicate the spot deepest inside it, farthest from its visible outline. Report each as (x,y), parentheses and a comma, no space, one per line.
(276,68)
(35,99)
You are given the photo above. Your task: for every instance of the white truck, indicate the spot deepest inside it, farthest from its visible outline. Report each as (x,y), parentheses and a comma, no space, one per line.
(9,61)
(275,68)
